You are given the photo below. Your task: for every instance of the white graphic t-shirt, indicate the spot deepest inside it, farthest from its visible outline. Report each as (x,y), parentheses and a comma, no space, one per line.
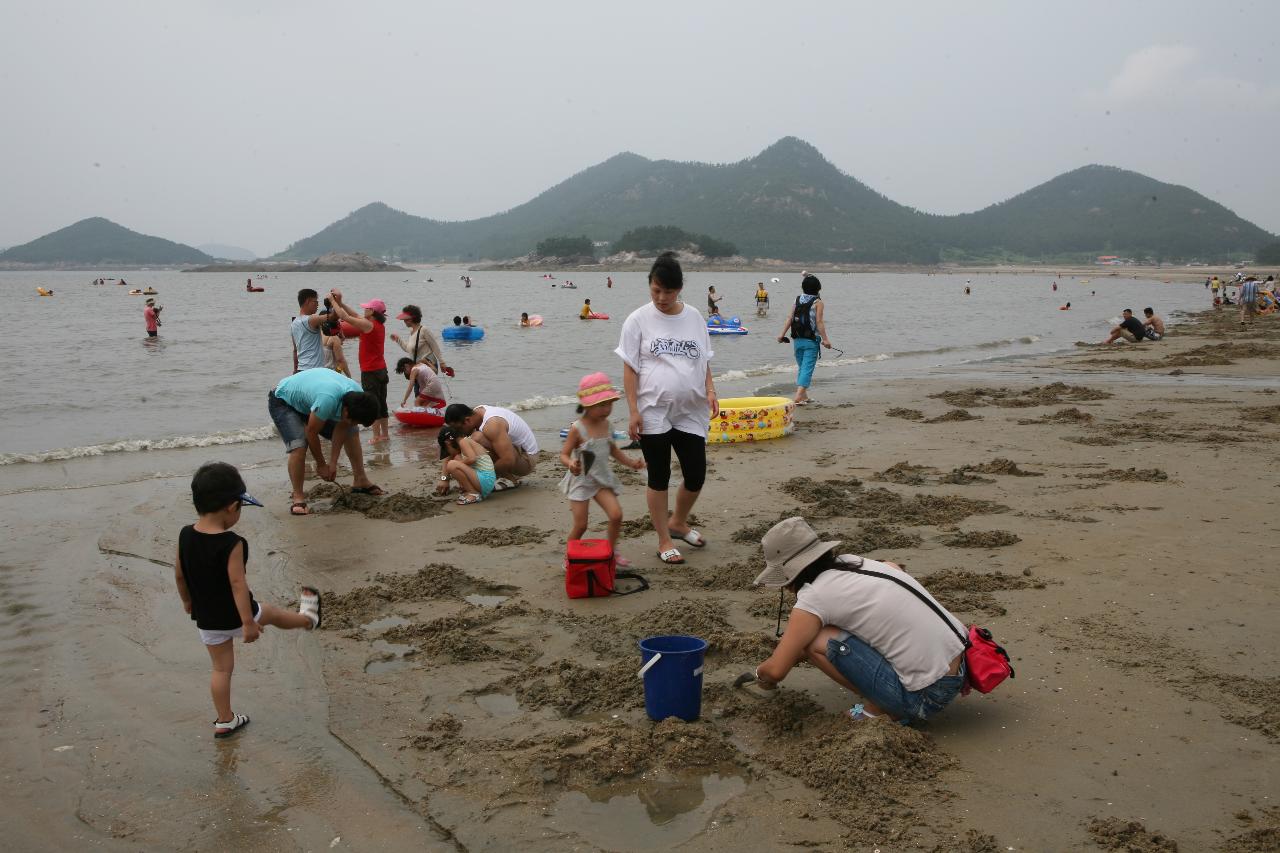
(671,354)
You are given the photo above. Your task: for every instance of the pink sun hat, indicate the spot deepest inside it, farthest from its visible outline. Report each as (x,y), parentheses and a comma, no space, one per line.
(595,389)
(376,304)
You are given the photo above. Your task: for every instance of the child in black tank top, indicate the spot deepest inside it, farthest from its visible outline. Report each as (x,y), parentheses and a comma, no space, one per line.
(210,574)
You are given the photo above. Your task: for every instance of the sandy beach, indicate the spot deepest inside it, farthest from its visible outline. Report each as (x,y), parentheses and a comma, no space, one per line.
(1108,514)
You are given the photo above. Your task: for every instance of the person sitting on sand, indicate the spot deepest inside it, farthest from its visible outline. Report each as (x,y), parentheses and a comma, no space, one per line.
(1153,325)
(855,622)
(210,573)
(424,383)
(1130,329)
(503,433)
(467,463)
(321,403)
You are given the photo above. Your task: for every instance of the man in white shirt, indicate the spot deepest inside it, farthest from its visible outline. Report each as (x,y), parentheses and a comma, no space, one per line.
(503,433)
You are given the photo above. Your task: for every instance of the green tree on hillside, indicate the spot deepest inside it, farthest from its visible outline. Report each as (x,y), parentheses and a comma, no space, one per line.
(565,247)
(661,238)
(1269,254)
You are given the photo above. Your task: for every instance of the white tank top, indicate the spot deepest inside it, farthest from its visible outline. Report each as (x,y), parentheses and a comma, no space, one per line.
(517,429)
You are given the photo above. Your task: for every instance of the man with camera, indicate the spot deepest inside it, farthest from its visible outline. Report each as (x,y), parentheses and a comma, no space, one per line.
(308,345)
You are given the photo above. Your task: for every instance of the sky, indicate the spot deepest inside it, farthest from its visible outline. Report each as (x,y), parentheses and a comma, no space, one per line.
(258,123)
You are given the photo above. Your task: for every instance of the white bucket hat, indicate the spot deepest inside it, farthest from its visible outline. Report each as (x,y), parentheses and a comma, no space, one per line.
(789,547)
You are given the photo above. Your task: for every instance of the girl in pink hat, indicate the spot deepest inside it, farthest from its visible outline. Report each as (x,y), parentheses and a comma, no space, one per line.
(586,454)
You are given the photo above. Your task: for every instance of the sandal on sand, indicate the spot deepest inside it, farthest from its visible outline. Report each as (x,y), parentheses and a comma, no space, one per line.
(469,498)
(691,536)
(504,483)
(309,605)
(230,727)
(299,505)
(372,491)
(671,557)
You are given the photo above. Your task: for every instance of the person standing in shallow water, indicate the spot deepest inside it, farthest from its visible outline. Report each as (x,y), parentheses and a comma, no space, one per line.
(806,327)
(666,352)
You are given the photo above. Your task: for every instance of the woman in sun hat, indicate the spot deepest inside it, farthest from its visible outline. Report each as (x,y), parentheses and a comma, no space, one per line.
(586,454)
(856,620)
(371,331)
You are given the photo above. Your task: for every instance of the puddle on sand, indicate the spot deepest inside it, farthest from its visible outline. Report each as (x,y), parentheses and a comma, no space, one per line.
(485,600)
(499,704)
(393,656)
(655,812)
(377,626)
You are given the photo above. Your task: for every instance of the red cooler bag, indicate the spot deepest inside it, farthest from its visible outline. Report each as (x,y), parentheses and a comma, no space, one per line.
(590,570)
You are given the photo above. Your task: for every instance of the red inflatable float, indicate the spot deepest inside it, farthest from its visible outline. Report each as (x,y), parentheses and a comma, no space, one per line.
(430,415)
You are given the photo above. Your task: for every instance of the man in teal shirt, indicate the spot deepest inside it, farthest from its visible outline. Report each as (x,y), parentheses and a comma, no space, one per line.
(322,403)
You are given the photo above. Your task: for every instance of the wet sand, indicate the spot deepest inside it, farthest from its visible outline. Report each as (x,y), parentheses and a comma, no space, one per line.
(1109,521)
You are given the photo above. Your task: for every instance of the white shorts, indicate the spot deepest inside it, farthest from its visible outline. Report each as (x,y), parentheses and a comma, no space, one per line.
(217,638)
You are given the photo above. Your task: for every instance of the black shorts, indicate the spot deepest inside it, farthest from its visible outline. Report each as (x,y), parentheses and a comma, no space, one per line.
(690,449)
(375,382)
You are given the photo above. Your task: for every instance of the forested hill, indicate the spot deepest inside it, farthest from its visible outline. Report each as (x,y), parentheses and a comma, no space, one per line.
(1104,210)
(101,242)
(790,203)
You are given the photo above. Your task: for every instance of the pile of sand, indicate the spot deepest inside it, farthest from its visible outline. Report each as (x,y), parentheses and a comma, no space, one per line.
(498,537)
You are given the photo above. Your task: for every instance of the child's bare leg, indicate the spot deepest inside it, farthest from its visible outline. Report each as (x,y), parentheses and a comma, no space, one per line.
(464,475)
(281,618)
(579,509)
(613,511)
(223,657)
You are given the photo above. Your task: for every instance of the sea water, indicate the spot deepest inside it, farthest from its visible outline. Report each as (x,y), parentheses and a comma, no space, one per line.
(85,389)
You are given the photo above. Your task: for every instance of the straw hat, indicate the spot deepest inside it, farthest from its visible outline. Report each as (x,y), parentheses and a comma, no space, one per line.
(789,547)
(595,389)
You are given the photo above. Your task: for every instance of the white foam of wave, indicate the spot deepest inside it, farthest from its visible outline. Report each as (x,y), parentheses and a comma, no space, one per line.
(541,402)
(134,445)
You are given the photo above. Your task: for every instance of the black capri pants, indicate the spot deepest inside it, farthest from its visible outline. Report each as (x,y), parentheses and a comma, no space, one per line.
(690,449)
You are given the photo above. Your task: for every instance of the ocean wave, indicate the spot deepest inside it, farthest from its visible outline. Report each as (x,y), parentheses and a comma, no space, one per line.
(540,402)
(134,445)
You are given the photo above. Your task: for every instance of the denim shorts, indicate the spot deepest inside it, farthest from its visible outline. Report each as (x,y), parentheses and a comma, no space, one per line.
(292,424)
(488,479)
(876,680)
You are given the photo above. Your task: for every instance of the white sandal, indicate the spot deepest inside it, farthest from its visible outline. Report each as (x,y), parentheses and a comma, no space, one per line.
(230,727)
(309,605)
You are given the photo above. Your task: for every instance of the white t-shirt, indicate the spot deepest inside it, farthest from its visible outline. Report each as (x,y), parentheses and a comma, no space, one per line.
(671,354)
(917,644)
(517,430)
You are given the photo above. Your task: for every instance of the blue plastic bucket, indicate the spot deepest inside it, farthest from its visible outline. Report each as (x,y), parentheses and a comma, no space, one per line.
(672,674)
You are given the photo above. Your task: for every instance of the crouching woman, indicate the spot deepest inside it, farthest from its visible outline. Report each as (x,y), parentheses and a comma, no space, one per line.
(856,621)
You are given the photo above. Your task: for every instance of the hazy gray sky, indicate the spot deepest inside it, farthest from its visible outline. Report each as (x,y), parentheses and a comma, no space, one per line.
(258,123)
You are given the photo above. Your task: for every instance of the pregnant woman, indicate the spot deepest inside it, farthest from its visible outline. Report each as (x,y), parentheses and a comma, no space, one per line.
(666,353)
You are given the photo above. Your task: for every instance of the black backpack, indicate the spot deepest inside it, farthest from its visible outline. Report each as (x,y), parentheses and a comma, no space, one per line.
(802,320)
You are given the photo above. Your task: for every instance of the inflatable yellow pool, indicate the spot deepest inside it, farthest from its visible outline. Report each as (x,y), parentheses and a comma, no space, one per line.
(751,419)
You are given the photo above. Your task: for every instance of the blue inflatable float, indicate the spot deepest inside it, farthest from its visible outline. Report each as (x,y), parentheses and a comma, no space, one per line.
(717,325)
(462,333)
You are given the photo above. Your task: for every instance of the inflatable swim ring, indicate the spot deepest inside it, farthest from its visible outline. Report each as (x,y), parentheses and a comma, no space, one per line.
(594,316)
(462,333)
(43,292)
(751,419)
(419,416)
(255,290)
(135,292)
(150,291)
(534,320)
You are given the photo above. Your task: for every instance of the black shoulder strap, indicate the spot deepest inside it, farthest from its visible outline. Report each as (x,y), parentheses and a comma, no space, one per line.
(630,576)
(911,589)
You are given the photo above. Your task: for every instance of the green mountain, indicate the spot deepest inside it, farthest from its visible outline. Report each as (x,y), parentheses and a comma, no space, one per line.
(790,203)
(1098,210)
(101,242)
